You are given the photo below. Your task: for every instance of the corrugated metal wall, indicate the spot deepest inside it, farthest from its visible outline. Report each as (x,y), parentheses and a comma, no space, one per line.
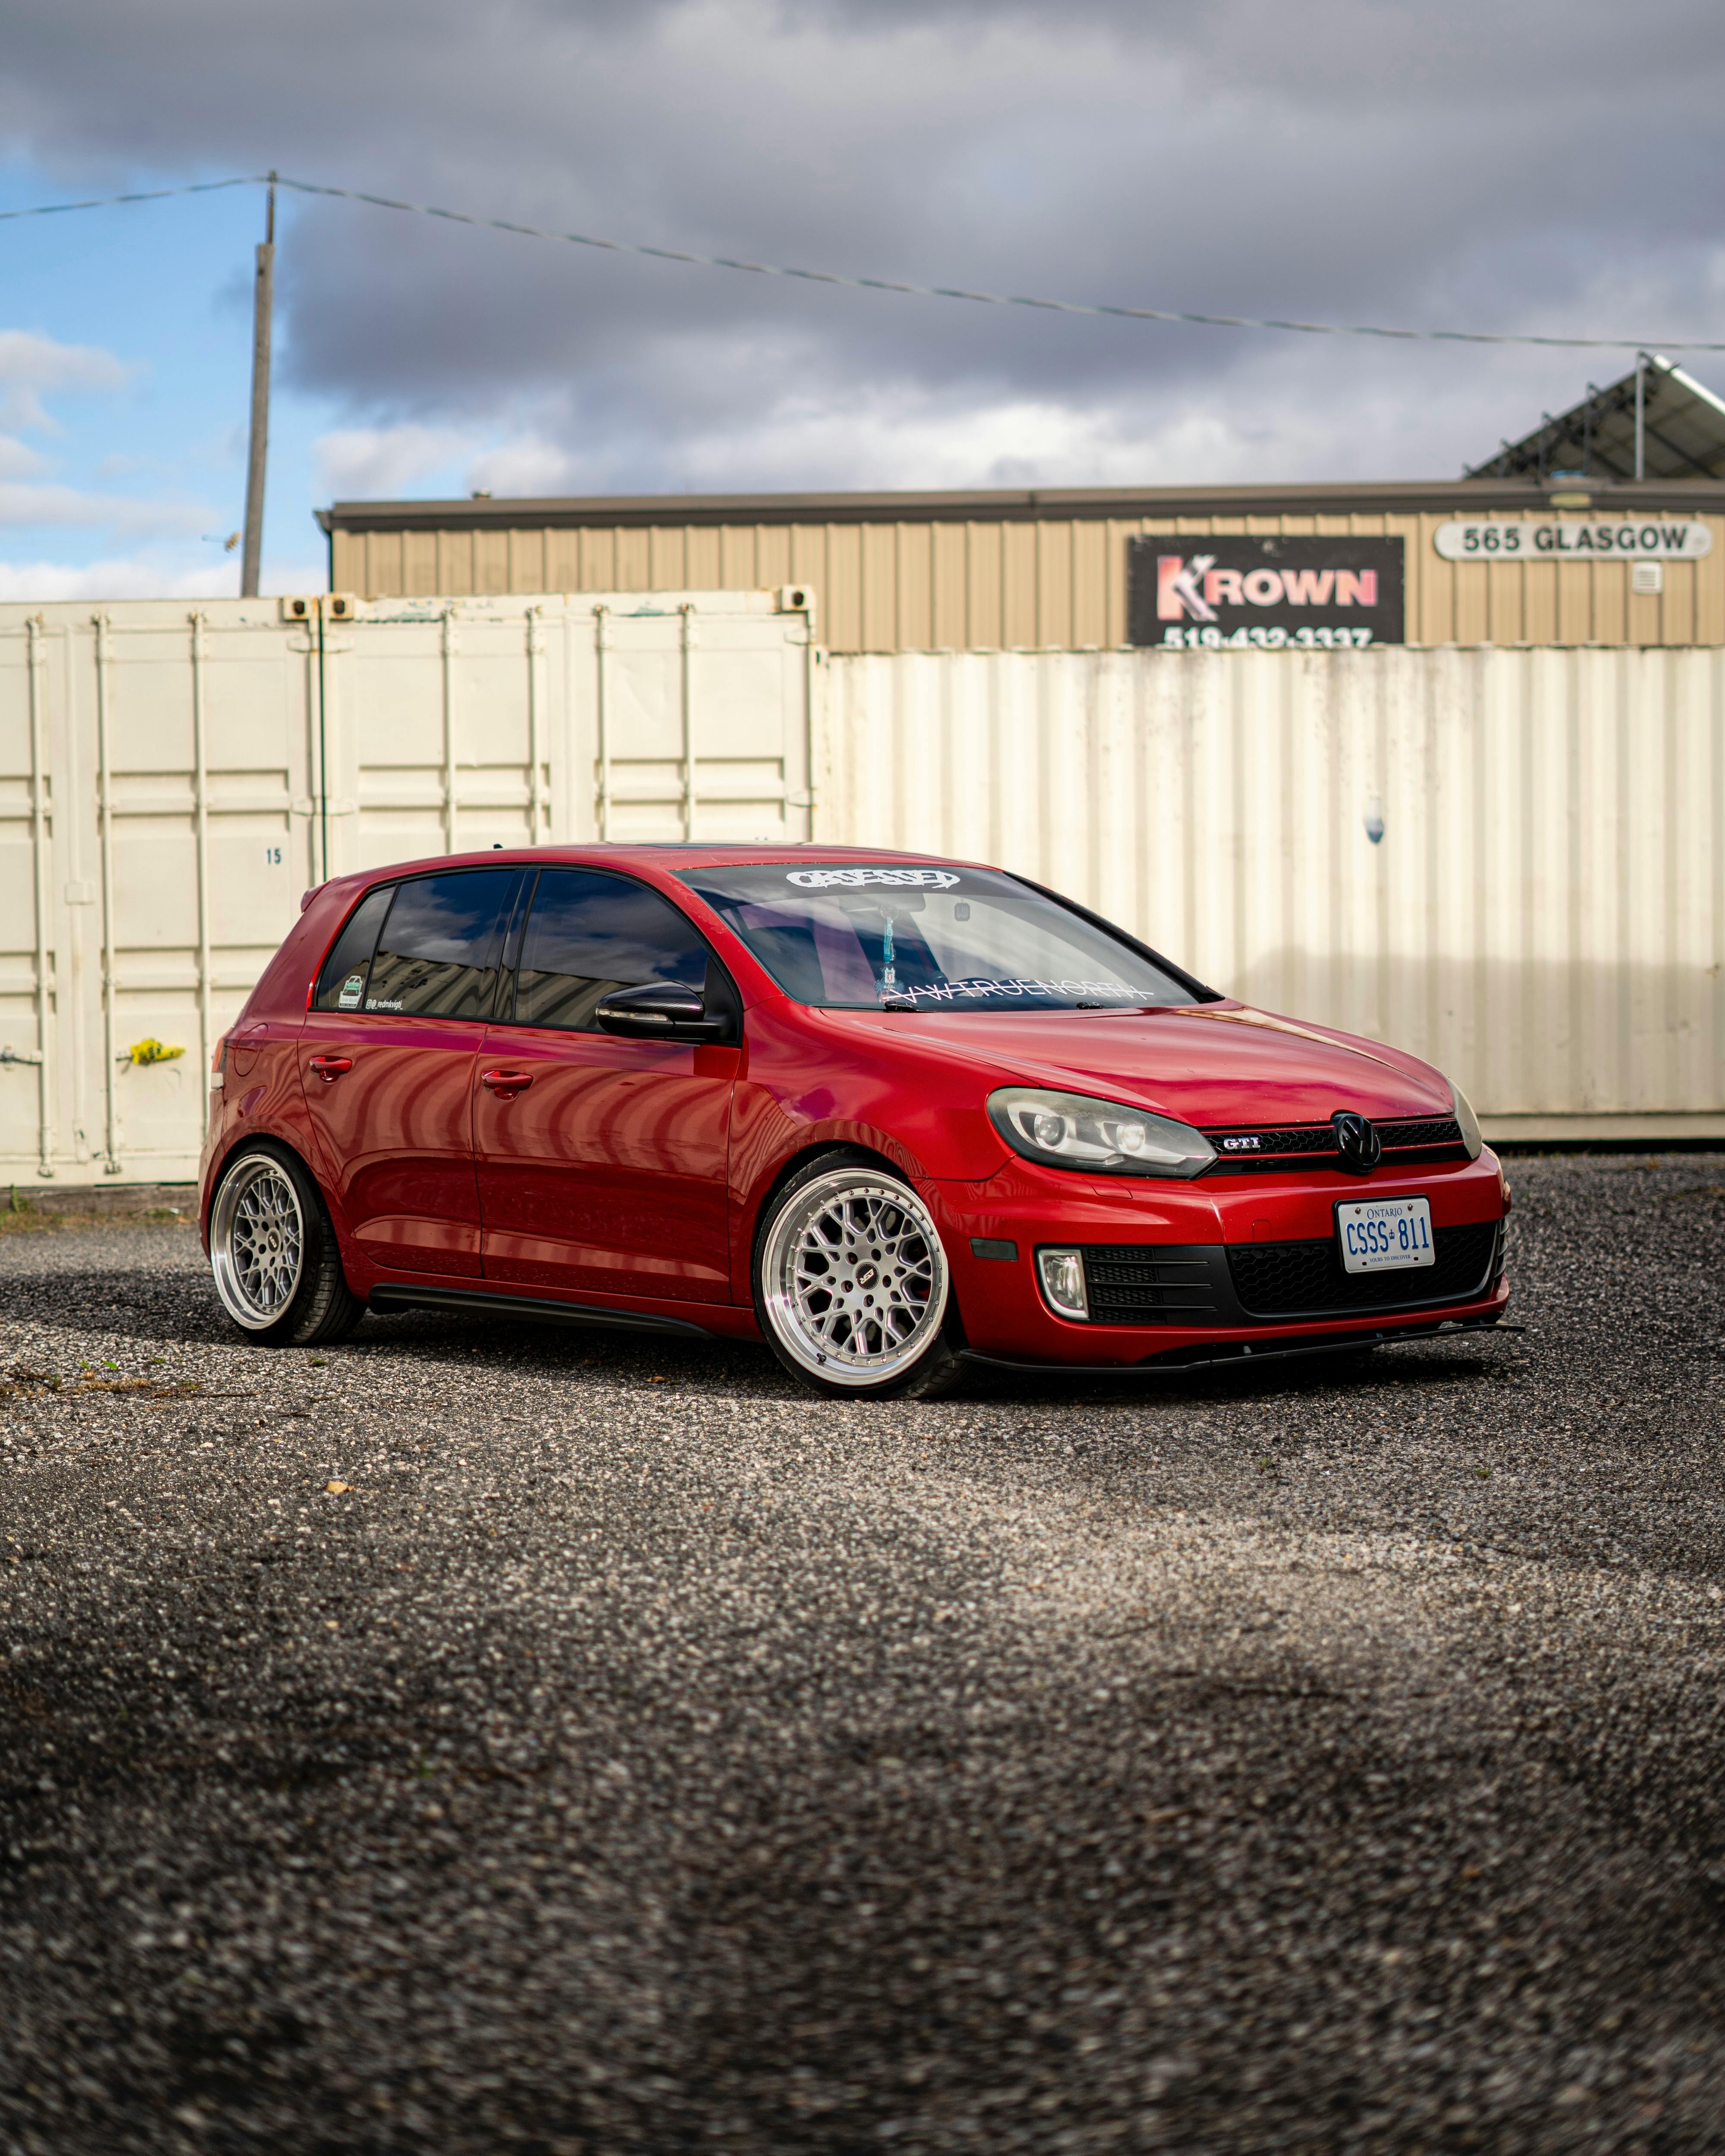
(1543,916)
(1056,582)
(163,804)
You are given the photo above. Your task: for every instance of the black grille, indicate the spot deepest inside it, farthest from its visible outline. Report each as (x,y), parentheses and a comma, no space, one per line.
(1447,1132)
(1316,1137)
(1313,1145)
(1298,1280)
(1131,1284)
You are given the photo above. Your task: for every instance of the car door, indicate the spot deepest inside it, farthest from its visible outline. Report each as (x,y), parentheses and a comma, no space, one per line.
(602,1161)
(387,1061)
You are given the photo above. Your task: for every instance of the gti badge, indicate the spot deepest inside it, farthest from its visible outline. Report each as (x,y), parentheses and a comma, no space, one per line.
(1357,1142)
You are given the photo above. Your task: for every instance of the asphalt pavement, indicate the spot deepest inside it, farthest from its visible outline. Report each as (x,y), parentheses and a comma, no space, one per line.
(482,1738)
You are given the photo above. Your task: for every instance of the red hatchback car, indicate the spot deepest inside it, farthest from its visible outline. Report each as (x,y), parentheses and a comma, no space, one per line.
(891,1114)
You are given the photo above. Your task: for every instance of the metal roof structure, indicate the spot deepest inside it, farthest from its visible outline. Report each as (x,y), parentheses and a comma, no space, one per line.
(1448,497)
(1657,423)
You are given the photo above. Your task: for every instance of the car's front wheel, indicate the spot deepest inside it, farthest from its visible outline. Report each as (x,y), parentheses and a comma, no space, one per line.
(273,1252)
(851,1285)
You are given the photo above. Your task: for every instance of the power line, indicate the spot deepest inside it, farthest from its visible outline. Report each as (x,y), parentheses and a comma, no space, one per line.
(889,284)
(148,194)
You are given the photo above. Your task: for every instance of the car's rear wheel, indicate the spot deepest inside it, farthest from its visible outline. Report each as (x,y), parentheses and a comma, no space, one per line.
(274,1255)
(851,1284)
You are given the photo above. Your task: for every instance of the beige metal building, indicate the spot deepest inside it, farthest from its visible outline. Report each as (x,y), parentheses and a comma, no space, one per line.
(1047,568)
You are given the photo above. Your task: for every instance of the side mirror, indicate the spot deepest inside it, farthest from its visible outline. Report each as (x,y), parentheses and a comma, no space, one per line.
(659,1010)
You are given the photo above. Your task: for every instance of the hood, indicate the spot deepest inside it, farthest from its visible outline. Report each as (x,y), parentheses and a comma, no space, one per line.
(1219,1066)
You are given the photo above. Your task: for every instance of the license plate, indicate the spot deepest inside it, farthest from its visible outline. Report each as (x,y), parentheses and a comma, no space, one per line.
(1385,1235)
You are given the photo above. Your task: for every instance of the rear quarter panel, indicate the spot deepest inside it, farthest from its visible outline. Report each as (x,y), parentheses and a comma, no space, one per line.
(261,1095)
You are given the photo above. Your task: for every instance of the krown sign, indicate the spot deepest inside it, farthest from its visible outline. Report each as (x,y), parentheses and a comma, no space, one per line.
(1574,539)
(1190,592)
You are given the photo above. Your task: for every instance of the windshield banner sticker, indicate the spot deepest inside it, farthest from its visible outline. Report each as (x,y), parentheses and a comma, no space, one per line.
(855,879)
(980,987)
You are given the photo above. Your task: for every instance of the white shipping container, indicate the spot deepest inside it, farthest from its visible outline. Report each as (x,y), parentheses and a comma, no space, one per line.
(1512,862)
(171,779)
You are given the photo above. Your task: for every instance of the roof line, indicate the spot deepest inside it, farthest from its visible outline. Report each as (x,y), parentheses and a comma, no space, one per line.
(995,505)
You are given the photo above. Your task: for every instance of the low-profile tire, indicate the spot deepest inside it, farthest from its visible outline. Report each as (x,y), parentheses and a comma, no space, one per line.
(851,1284)
(274,1255)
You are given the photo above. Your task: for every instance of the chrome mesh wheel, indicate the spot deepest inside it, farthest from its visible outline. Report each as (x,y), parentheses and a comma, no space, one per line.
(257,1242)
(854,1278)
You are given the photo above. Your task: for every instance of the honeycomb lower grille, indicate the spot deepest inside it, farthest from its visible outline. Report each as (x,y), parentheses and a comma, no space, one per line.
(1300,1280)
(1394,1136)
(1137,1284)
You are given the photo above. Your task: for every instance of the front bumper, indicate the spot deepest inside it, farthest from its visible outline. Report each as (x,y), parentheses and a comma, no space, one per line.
(1207,1241)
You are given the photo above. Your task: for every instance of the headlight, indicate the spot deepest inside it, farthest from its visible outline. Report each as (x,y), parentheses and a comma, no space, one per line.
(1070,1130)
(1469,1122)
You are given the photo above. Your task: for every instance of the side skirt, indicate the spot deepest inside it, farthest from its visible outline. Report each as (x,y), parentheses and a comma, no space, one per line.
(398,1294)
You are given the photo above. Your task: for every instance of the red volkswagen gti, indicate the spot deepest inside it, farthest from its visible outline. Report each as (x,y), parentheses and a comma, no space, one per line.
(893,1114)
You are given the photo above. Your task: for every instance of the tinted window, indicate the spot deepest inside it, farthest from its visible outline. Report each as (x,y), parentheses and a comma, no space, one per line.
(590,933)
(341,984)
(849,934)
(437,956)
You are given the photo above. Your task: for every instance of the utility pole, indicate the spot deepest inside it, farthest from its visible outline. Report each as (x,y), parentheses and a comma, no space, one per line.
(263,296)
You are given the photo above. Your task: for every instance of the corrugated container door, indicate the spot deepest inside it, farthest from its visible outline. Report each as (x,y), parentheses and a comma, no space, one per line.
(30,941)
(692,715)
(172,753)
(163,802)
(442,726)
(457,725)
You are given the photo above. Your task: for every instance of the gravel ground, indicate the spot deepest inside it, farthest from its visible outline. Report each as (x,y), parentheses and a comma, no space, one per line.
(478,1738)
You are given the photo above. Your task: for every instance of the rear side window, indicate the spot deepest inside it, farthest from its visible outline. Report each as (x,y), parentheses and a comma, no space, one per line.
(590,933)
(437,956)
(341,984)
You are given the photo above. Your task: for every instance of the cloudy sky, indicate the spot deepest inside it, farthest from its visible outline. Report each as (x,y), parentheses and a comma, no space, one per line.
(1545,164)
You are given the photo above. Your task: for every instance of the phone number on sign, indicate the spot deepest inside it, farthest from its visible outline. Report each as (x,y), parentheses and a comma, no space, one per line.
(1267,639)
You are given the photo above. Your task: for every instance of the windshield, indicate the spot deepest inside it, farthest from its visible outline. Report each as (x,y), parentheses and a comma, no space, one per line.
(850,937)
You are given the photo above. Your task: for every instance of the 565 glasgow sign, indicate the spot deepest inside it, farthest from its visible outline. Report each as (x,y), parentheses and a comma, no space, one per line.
(1186,592)
(1573,539)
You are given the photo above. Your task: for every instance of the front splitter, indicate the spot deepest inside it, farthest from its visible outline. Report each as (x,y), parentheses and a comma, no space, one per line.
(1231,1354)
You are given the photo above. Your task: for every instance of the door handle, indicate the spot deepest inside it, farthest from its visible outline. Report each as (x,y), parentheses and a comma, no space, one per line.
(330,1067)
(506,1084)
